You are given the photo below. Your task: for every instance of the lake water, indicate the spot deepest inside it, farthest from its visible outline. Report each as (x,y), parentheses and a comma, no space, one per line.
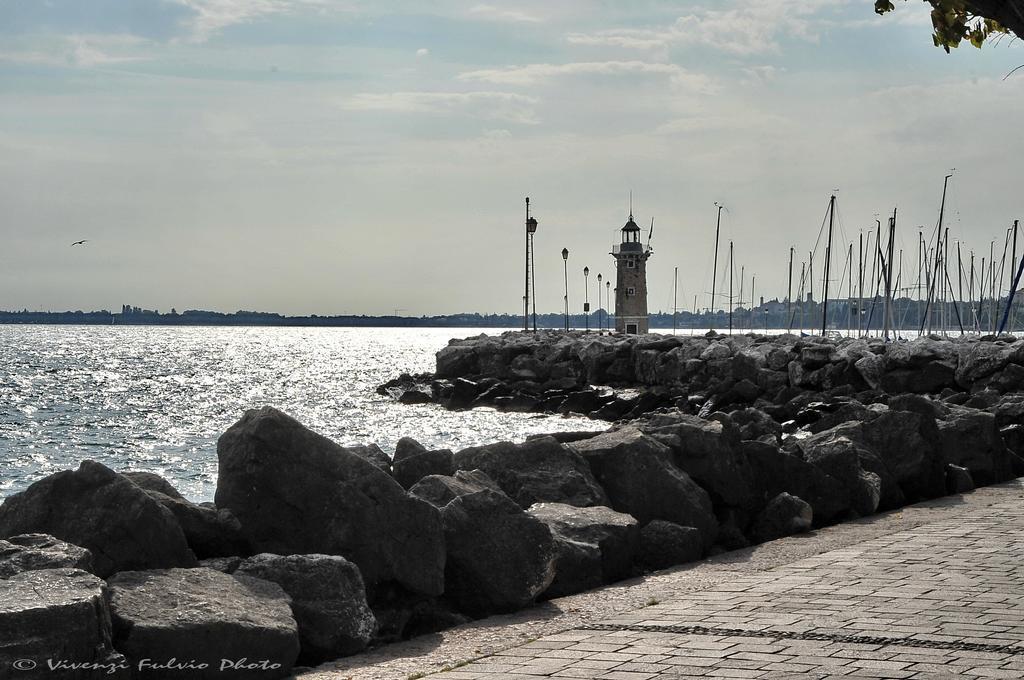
(157,398)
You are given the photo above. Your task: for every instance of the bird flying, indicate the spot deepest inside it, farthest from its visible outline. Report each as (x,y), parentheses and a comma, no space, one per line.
(80,243)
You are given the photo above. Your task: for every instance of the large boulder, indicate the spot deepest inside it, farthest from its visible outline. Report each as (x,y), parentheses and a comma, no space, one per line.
(29,552)
(640,479)
(58,614)
(328,601)
(785,515)
(98,509)
(499,557)
(665,544)
(781,471)
(455,361)
(595,545)
(413,462)
(297,492)
(202,618)
(709,452)
(210,532)
(969,438)
(539,470)
(908,444)
(839,457)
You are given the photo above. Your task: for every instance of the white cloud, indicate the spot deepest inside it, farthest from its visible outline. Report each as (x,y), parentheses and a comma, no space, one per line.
(762,74)
(754,27)
(211,16)
(82,50)
(422,52)
(492,13)
(533,73)
(506,106)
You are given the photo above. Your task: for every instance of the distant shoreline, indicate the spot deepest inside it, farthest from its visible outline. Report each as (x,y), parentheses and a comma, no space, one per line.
(771,315)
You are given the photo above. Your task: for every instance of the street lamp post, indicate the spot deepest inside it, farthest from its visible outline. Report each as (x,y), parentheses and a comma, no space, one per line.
(586,298)
(565,268)
(531,229)
(608,301)
(600,321)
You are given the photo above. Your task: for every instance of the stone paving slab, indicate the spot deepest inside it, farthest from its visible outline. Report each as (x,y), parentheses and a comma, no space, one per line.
(932,591)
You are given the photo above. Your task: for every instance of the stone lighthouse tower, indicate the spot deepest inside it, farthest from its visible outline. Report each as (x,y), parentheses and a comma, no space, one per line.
(631,281)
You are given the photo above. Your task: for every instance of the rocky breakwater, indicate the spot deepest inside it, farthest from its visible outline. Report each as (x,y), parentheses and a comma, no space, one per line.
(614,377)
(313,550)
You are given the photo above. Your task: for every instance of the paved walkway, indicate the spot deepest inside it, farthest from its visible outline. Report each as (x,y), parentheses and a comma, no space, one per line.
(943,599)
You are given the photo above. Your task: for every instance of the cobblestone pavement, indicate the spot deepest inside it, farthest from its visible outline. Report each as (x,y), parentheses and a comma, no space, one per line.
(944,599)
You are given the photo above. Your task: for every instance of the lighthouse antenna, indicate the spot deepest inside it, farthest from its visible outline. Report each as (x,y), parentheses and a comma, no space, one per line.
(650,234)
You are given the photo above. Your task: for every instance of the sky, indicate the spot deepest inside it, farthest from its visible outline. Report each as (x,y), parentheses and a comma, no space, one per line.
(357,157)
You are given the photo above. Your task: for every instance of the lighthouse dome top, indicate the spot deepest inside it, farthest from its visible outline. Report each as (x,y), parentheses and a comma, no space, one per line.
(631,225)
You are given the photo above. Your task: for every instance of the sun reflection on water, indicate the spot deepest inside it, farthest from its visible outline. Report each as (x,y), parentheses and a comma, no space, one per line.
(157,398)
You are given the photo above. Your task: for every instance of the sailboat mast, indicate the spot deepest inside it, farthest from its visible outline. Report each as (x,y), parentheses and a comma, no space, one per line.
(959,280)
(888,276)
(731,272)
(860,287)
(849,290)
(753,282)
(828,262)
(714,270)
(938,247)
(789,290)
(675,298)
(810,280)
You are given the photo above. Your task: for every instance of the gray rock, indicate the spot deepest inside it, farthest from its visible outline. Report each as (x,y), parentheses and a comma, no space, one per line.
(150,481)
(499,558)
(908,444)
(958,479)
(781,471)
(709,452)
(202,616)
(58,614)
(372,454)
(978,360)
(223,564)
(839,457)
(602,545)
(413,462)
(29,552)
(457,360)
(440,490)
(665,544)
(785,515)
(328,601)
(98,509)
(210,532)
(537,471)
(296,492)
(640,479)
(970,439)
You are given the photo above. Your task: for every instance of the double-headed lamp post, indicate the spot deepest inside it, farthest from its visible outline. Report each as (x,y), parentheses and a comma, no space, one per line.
(565,268)
(586,298)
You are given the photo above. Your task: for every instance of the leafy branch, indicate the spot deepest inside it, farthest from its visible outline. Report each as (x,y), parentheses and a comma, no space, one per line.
(975,21)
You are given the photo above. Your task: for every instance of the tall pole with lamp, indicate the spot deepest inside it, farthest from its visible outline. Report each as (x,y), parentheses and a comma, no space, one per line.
(586,298)
(565,268)
(531,229)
